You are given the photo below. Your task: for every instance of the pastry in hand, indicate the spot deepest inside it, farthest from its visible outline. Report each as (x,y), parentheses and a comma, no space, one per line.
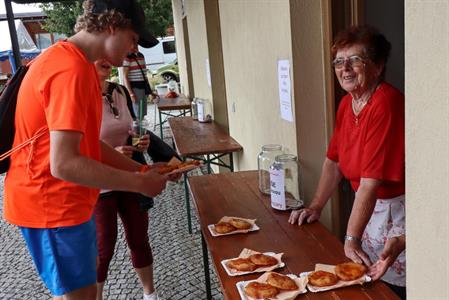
(263,260)
(349,271)
(224,227)
(281,282)
(240,224)
(322,278)
(241,264)
(260,290)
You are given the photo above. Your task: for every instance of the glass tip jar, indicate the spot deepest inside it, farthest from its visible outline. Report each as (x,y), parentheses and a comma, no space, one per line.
(194,105)
(264,161)
(204,111)
(284,182)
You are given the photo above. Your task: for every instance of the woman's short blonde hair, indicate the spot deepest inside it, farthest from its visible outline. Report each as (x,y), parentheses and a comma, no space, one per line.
(93,22)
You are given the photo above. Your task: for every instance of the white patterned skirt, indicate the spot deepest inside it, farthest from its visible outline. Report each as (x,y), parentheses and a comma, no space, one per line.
(387,221)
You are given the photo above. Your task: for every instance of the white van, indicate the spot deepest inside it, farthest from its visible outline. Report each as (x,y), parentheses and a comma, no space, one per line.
(161,54)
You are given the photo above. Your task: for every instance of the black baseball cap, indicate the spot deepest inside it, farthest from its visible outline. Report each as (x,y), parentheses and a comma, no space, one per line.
(132,11)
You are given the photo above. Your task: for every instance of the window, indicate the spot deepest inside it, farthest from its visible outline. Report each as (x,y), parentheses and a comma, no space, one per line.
(43,40)
(169,47)
(58,37)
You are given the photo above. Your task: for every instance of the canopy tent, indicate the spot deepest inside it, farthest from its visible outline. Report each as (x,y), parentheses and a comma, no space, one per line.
(27,46)
(12,31)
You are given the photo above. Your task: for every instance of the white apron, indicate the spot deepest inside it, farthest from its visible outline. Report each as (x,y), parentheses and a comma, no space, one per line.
(387,221)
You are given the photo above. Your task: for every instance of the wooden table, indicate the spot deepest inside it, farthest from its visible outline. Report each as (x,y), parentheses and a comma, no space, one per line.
(237,194)
(167,106)
(203,141)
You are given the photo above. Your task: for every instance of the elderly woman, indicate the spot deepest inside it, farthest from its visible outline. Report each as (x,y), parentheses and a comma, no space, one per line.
(367,148)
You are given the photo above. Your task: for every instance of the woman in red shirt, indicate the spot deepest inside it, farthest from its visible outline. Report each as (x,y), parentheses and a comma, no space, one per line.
(367,148)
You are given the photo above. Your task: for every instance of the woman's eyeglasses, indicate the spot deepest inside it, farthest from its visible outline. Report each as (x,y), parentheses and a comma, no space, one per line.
(114,110)
(354,61)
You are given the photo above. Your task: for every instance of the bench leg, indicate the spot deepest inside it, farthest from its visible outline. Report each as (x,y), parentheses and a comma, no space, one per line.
(187,196)
(206,268)
(160,124)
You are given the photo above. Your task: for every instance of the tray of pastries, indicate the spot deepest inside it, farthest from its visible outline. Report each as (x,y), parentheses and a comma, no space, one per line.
(250,261)
(329,277)
(232,225)
(272,285)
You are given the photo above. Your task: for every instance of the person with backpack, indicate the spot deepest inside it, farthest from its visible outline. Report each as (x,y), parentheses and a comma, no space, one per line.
(52,184)
(132,208)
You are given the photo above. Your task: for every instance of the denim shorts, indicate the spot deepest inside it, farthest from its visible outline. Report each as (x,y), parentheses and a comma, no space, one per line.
(65,257)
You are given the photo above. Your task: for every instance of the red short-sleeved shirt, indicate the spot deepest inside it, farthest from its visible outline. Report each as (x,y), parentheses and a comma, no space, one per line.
(371,145)
(62,91)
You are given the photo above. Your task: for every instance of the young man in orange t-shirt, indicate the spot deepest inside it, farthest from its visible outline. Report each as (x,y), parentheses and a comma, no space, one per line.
(52,185)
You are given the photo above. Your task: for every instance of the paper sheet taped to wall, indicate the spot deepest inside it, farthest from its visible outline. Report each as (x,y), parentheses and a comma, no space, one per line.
(285,98)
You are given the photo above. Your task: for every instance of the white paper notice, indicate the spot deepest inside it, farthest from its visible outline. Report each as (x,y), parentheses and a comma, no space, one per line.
(209,82)
(285,97)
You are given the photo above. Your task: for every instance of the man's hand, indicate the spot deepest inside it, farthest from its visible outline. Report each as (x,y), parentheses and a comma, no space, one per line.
(153,183)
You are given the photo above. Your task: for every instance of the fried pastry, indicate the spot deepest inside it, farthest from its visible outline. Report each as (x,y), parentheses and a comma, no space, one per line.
(224,227)
(240,224)
(349,271)
(241,264)
(322,278)
(169,168)
(281,282)
(166,169)
(260,290)
(263,260)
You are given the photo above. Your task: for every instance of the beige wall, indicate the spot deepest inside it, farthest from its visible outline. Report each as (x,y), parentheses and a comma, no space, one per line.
(252,45)
(180,49)
(198,47)
(311,34)
(427,148)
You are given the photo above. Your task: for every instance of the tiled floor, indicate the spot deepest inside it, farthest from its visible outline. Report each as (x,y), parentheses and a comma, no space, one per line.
(178,267)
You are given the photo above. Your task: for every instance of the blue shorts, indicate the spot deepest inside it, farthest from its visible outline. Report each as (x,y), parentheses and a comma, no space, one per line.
(65,257)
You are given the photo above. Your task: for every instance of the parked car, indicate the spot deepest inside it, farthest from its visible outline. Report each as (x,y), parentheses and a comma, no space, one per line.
(169,71)
(163,53)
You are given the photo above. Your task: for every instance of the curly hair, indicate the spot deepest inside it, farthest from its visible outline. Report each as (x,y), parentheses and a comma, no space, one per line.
(93,22)
(377,47)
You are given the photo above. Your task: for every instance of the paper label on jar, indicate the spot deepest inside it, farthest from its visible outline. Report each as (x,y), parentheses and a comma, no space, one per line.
(200,112)
(277,180)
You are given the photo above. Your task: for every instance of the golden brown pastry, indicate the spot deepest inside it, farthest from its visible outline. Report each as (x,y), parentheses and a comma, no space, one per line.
(224,227)
(241,264)
(350,271)
(263,260)
(260,290)
(281,282)
(240,224)
(322,278)
(169,168)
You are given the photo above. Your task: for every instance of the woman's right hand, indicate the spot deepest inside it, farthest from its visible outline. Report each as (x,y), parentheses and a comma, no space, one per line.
(306,214)
(125,150)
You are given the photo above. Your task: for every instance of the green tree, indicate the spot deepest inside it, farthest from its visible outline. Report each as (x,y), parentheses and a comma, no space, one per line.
(61,16)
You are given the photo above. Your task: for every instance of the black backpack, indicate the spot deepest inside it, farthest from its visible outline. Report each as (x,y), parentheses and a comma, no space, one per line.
(8,101)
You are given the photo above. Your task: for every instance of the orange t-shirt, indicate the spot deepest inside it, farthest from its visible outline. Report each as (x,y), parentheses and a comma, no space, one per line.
(62,91)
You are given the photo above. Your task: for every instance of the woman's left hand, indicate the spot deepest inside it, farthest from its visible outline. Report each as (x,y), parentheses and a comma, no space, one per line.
(354,251)
(393,247)
(143,144)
